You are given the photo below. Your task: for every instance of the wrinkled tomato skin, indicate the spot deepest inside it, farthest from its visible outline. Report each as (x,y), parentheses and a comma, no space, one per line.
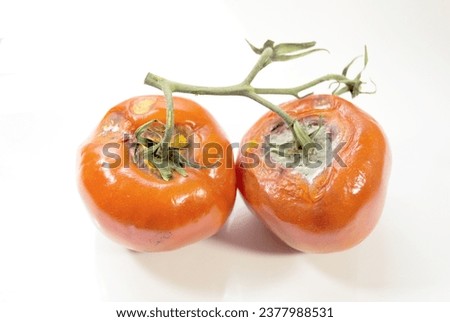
(342,205)
(137,208)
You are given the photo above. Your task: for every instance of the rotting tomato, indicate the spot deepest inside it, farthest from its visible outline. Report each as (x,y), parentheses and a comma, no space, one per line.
(333,198)
(126,194)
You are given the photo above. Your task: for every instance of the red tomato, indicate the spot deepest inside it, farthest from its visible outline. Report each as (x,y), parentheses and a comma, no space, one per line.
(134,205)
(320,207)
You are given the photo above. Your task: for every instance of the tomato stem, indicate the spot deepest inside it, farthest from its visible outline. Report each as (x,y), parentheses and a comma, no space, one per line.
(262,62)
(267,54)
(300,136)
(167,89)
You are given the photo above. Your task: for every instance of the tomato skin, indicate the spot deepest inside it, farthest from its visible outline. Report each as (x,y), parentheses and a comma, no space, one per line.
(137,208)
(342,205)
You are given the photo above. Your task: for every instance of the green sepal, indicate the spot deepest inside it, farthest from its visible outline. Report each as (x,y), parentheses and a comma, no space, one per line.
(289,48)
(295,56)
(165,172)
(180,170)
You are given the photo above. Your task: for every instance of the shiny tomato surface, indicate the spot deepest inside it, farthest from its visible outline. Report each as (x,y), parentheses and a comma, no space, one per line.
(327,208)
(134,205)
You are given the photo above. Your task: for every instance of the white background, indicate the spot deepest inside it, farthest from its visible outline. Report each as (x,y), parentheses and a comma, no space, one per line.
(63,64)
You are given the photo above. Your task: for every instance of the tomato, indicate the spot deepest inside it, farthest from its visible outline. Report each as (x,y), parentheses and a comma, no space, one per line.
(132,204)
(326,204)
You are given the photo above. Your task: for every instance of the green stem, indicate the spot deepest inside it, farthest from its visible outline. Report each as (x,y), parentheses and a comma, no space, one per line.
(157,82)
(167,89)
(295,91)
(244,89)
(301,137)
(173,160)
(267,55)
(262,62)
(274,108)
(241,89)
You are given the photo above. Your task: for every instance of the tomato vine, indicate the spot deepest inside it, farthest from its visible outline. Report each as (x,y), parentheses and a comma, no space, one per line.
(269,53)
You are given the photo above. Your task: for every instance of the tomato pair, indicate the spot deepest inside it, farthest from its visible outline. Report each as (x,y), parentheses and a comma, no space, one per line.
(322,198)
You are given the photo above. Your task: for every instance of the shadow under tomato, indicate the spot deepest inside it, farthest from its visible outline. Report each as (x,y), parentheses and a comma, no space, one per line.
(246,262)
(368,268)
(358,268)
(190,273)
(211,270)
(245,230)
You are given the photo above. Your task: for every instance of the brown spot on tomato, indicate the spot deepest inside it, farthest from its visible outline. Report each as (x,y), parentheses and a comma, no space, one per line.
(142,106)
